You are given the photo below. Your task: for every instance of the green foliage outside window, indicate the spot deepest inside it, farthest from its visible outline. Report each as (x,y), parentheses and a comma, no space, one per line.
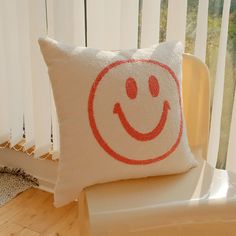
(214,25)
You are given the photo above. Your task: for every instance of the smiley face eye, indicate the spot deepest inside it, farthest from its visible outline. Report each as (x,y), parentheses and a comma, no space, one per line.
(153,85)
(131,88)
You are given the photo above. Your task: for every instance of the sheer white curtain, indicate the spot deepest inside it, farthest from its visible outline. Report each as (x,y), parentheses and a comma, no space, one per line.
(26,100)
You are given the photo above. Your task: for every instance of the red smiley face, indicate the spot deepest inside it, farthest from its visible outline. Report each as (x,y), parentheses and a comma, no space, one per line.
(131,89)
(117,113)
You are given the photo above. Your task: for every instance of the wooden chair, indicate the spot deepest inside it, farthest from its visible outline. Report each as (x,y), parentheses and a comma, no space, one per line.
(199,201)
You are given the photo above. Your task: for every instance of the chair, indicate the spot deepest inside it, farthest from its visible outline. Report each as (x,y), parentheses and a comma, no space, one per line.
(201,201)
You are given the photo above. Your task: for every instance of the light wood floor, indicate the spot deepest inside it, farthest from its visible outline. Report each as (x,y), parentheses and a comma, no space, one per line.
(32,214)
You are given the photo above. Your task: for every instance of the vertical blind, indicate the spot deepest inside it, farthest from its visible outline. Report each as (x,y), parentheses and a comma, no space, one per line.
(28,114)
(214,139)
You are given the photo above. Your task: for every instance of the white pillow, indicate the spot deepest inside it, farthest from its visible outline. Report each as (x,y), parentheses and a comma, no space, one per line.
(120,114)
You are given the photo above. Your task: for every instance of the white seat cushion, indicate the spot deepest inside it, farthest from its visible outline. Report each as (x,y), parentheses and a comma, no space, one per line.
(166,205)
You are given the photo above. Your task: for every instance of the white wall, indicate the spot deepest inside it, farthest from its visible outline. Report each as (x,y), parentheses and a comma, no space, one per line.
(44,170)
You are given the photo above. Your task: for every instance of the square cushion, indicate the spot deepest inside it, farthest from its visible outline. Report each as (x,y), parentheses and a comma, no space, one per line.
(120,114)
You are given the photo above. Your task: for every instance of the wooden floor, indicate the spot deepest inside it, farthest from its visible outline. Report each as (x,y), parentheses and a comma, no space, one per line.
(32,214)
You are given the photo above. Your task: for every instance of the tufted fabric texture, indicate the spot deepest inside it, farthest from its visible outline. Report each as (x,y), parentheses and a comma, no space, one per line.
(120,114)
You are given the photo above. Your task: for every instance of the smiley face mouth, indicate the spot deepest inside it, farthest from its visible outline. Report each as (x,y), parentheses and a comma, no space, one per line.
(136,134)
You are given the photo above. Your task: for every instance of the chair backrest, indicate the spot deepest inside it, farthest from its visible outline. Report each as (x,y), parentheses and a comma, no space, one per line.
(196,94)
(196,102)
